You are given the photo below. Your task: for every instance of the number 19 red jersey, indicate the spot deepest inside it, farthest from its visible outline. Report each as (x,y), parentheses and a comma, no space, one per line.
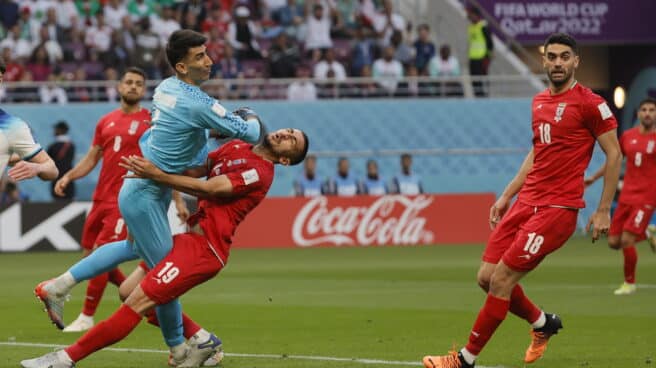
(640,175)
(117,133)
(565,129)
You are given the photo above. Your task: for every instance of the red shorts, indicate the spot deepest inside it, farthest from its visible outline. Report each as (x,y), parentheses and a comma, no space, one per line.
(103,225)
(527,234)
(631,218)
(191,262)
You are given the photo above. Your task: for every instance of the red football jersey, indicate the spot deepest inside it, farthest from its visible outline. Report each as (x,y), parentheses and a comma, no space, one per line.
(251,177)
(565,128)
(117,133)
(640,174)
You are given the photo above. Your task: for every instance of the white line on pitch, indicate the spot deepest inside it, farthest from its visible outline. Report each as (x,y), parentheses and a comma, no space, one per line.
(241,355)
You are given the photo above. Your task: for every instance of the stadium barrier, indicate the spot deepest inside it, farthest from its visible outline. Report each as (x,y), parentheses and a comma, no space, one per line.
(285,222)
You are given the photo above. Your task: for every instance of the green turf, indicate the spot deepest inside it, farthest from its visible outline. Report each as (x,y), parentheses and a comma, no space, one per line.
(395,303)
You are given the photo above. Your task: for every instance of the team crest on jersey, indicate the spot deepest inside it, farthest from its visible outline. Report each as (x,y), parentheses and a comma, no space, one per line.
(650,146)
(560,110)
(236,162)
(134,125)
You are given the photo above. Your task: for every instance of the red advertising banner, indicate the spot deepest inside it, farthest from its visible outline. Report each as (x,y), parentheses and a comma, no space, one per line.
(367,221)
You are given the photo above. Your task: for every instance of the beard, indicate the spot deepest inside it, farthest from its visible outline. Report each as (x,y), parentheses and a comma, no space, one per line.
(130,100)
(561,82)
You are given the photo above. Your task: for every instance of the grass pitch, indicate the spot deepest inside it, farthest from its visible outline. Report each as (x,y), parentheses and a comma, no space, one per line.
(391,304)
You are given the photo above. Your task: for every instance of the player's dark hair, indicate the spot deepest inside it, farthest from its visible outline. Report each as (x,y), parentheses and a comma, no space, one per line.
(562,39)
(179,44)
(405,155)
(298,158)
(3,67)
(648,100)
(135,70)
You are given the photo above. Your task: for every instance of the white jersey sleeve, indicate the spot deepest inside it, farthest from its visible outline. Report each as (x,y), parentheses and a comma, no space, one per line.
(21,141)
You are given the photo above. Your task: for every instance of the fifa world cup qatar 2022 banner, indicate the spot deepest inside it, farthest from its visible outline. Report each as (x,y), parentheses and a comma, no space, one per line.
(286,222)
(589,21)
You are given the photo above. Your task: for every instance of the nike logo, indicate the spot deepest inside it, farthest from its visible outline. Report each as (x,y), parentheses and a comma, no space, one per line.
(476,334)
(211,343)
(525,256)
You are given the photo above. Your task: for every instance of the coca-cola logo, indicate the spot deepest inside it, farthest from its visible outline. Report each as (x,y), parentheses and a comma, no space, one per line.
(389,220)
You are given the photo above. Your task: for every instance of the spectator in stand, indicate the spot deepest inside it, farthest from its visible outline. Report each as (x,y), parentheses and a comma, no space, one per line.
(215,48)
(387,22)
(99,36)
(13,70)
(54,30)
(284,57)
(79,93)
(111,94)
(39,65)
(87,10)
(67,15)
(372,184)
(195,9)
(11,194)
(20,47)
(62,152)
(114,11)
(388,71)
(402,51)
(52,92)
(366,13)
(8,13)
(317,32)
(302,89)
(342,184)
(481,49)
(406,182)
(29,26)
(328,64)
(218,19)
(139,9)
(165,25)
(148,50)
(74,50)
(308,184)
(345,18)
(446,65)
(290,18)
(118,56)
(53,49)
(367,89)
(128,31)
(242,34)
(25,94)
(424,49)
(229,65)
(362,52)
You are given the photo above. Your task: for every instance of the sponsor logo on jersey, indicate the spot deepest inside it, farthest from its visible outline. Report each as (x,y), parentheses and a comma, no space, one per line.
(250,176)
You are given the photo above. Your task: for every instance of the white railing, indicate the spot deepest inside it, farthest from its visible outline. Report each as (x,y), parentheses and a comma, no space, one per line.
(276,89)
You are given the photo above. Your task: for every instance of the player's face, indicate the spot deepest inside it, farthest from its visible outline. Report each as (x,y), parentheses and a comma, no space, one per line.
(132,88)
(310,165)
(196,66)
(647,115)
(560,62)
(372,169)
(286,143)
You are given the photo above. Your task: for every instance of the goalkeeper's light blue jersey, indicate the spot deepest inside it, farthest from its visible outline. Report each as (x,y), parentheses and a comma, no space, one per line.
(181,115)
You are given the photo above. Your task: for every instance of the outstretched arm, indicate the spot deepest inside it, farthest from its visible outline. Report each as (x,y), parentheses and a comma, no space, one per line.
(40,165)
(81,169)
(218,186)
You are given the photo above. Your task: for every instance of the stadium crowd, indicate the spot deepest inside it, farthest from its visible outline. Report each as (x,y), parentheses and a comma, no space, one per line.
(81,40)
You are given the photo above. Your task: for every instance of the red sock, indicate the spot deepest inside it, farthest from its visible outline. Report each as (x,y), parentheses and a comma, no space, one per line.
(105,333)
(630,263)
(522,306)
(489,318)
(116,277)
(188,325)
(95,291)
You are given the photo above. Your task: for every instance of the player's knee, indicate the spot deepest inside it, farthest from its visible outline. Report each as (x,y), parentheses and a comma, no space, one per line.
(626,242)
(614,243)
(483,279)
(124,290)
(139,301)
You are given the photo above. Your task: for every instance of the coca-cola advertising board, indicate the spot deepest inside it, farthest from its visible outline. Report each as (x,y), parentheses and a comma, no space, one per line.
(367,221)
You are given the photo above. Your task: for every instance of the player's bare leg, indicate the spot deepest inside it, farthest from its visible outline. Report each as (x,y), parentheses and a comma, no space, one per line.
(626,242)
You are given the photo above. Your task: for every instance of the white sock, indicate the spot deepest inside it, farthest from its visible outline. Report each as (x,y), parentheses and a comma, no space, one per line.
(469,357)
(201,336)
(179,351)
(63,283)
(540,322)
(63,357)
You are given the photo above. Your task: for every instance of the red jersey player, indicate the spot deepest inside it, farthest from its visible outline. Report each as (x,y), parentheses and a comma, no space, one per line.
(238,177)
(117,134)
(638,196)
(567,119)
